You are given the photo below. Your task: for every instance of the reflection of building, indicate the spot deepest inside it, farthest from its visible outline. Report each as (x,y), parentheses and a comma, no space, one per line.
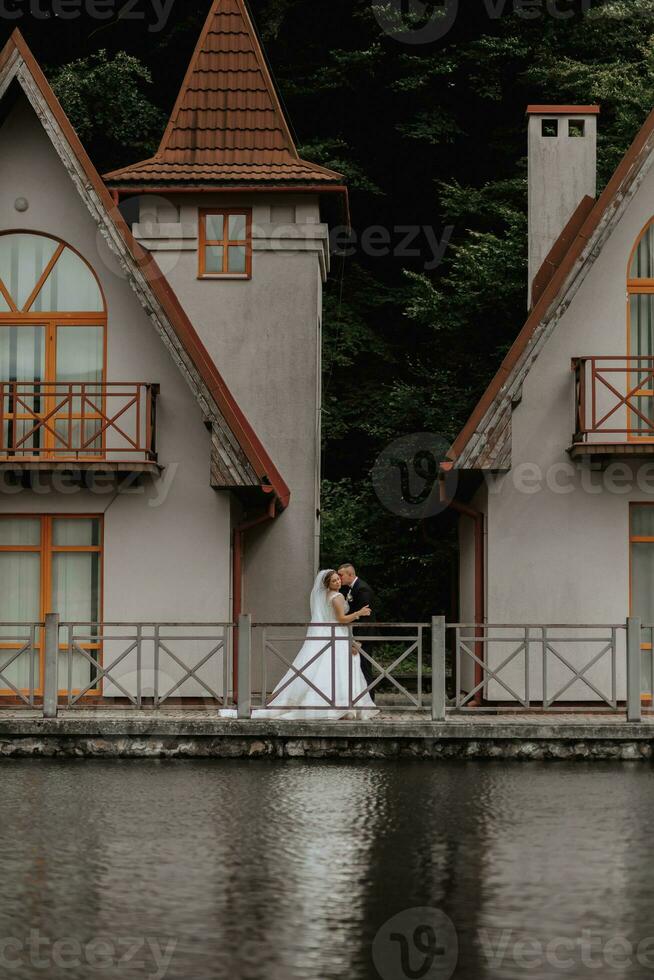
(557,457)
(195,388)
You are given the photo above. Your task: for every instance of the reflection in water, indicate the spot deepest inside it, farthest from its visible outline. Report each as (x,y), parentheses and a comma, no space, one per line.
(283,870)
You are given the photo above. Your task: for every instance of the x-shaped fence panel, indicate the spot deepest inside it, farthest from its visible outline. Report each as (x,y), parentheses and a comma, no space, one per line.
(70,420)
(615,396)
(15,648)
(529,656)
(464,648)
(162,646)
(99,672)
(143,663)
(388,666)
(607,648)
(329,644)
(387,672)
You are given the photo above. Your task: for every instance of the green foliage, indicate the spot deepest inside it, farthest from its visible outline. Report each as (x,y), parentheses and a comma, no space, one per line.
(453,113)
(431,126)
(394,555)
(335,155)
(103,97)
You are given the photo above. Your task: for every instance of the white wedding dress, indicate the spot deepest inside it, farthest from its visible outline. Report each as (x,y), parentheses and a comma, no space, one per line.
(331,677)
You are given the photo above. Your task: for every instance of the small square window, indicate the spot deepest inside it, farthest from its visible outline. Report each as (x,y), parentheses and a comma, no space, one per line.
(226,244)
(550,127)
(577,128)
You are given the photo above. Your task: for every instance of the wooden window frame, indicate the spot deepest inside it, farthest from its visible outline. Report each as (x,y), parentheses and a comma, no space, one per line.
(638,539)
(46,549)
(225,242)
(637,287)
(50,321)
(62,246)
(50,324)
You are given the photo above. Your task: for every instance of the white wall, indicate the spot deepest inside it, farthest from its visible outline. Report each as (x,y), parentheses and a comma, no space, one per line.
(562,556)
(264,335)
(167,549)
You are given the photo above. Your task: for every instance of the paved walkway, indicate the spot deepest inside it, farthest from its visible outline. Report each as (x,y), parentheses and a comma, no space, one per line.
(409,724)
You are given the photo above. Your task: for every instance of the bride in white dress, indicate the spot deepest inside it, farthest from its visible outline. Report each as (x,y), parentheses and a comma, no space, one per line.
(331,671)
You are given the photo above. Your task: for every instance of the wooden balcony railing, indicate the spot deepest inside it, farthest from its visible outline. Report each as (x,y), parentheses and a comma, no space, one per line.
(78,421)
(614,399)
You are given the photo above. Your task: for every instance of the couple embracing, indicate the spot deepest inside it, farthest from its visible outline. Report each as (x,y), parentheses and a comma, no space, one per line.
(330,671)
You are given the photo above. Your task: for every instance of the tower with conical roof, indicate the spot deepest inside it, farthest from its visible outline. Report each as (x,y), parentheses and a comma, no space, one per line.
(227,126)
(236,221)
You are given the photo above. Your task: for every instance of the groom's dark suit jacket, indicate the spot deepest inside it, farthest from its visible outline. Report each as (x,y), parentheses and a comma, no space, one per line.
(362,595)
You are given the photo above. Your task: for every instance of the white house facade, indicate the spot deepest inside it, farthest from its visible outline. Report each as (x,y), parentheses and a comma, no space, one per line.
(159,390)
(556,465)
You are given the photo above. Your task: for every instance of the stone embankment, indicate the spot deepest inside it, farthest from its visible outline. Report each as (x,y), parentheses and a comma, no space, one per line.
(201,735)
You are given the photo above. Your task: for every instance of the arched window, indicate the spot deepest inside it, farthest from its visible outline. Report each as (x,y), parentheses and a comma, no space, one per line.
(640,333)
(640,290)
(43,275)
(52,333)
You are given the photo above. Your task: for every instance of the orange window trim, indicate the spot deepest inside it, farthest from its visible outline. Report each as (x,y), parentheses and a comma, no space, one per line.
(44,275)
(638,539)
(225,242)
(46,549)
(50,322)
(636,287)
(62,246)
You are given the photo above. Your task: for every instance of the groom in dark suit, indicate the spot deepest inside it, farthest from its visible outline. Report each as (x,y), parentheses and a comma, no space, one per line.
(358,594)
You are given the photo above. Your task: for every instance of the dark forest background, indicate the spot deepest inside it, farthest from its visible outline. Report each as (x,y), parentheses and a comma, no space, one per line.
(428,135)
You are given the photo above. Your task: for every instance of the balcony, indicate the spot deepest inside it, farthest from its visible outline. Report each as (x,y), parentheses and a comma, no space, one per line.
(614,404)
(79,426)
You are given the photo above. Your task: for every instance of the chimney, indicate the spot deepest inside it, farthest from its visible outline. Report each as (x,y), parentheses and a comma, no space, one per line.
(562,171)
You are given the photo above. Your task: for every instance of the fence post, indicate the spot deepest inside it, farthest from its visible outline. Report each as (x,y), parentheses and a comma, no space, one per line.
(244,693)
(438,668)
(51,666)
(633,669)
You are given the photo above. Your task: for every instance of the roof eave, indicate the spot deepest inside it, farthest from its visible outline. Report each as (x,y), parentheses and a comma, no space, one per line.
(121,188)
(132,174)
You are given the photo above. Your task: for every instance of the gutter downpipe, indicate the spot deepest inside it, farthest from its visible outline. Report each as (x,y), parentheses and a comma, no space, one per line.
(237,575)
(480,575)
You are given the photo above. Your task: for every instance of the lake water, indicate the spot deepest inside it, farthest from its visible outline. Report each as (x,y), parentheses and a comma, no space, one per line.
(264,869)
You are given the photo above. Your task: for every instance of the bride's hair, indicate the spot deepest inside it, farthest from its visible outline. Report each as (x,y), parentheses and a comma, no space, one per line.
(328,576)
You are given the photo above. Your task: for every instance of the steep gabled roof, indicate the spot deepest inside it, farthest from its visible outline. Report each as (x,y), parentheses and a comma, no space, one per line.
(484,443)
(227,126)
(238,460)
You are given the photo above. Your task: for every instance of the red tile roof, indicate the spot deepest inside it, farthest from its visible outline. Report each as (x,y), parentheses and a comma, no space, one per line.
(227,125)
